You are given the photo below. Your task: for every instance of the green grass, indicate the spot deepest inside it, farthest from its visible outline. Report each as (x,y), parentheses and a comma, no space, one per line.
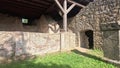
(96,52)
(72,59)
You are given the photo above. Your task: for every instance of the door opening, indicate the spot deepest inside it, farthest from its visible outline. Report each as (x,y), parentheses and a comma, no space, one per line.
(89,34)
(86,39)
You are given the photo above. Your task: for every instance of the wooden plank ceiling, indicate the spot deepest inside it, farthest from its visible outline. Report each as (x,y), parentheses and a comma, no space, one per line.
(29,8)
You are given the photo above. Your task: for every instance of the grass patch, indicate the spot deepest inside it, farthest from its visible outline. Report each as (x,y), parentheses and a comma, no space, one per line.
(96,52)
(60,60)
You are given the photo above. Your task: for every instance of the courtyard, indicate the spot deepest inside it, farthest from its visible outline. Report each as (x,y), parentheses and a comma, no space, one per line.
(71,59)
(60,34)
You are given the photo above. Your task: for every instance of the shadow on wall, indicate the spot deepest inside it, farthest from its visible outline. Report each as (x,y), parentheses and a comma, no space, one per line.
(10,44)
(33,64)
(7,47)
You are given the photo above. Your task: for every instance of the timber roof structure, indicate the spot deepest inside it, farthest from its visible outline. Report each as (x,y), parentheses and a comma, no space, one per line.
(35,8)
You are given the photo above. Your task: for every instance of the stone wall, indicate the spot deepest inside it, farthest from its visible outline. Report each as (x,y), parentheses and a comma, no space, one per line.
(31,43)
(18,39)
(90,18)
(18,43)
(67,41)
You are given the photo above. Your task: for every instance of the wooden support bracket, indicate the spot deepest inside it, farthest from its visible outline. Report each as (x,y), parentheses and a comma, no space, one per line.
(66,10)
(71,7)
(77,4)
(59,5)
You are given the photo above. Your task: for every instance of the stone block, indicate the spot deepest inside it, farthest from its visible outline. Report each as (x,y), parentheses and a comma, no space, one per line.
(67,41)
(111,41)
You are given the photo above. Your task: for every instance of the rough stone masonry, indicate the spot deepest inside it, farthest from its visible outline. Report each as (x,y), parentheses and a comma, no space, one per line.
(90,18)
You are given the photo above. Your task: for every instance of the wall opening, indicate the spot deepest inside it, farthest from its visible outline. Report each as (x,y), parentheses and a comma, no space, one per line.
(28,22)
(86,39)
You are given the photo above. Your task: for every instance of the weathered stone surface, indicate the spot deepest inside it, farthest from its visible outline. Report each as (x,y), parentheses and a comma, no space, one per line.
(67,41)
(111,26)
(111,45)
(3,60)
(38,43)
(96,13)
(101,16)
(7,45)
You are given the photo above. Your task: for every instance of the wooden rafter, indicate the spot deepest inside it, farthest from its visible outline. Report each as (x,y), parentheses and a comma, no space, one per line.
(27,8)
(20,4)
(12,6)
(36,7)
(59,5)
(32,3)
(42,2)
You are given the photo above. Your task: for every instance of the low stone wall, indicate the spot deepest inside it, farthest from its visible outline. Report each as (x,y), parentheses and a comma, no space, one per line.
(17,43)
(31,43)
(37,43)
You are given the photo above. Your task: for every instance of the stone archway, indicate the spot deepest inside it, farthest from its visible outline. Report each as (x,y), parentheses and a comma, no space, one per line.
(86,39)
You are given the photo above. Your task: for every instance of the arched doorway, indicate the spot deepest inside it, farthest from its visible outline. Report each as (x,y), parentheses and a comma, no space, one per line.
(86,39)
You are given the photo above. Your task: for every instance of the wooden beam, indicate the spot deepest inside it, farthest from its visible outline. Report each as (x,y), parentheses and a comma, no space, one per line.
(45,2)
(2,5)
(59,5)
(71,7)
(73,2)
(31,3)
(17,9)
(21,4)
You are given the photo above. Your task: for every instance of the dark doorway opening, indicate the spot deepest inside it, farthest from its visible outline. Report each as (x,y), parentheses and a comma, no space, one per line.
(89,34)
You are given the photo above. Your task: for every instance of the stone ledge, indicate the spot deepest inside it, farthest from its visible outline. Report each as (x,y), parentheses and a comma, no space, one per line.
(112,61)
(110,26)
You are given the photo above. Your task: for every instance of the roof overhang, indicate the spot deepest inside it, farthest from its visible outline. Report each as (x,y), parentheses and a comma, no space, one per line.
(32,8)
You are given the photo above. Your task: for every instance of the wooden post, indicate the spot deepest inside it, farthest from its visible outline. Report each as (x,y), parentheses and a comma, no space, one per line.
(65,15)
